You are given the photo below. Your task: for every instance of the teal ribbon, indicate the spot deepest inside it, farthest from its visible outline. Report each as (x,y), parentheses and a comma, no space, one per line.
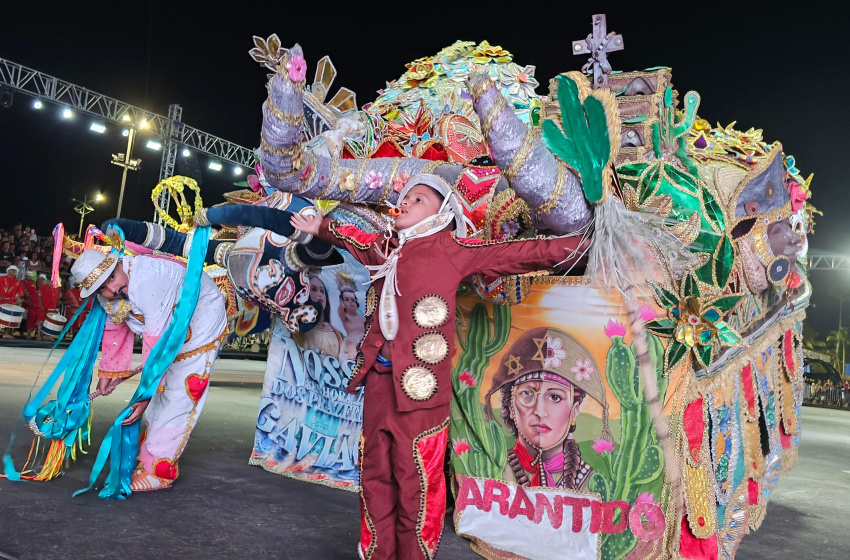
(121,444)
(70,411)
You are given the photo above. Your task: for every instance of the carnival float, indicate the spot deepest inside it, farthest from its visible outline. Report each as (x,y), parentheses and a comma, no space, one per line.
(684,349)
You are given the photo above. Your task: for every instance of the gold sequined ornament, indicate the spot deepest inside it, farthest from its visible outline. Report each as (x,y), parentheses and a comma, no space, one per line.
(419,383)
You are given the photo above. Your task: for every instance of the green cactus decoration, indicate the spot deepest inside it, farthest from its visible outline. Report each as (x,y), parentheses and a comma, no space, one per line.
(668,134)
(584,144)
(488,448)
(636,464)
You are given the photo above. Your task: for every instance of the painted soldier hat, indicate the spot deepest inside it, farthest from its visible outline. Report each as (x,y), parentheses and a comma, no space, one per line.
(544,352)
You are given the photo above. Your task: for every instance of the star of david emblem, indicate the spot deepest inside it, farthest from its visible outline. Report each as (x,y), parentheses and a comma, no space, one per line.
(514,365)
(540,355)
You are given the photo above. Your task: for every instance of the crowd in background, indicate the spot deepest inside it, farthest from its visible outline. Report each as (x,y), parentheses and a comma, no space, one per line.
(26,263)
(828,393)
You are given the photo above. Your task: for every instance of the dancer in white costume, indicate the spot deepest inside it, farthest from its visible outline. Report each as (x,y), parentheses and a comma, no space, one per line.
(139,295)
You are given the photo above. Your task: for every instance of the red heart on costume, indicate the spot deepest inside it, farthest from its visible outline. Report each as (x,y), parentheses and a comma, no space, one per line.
(163,468)
(196,385)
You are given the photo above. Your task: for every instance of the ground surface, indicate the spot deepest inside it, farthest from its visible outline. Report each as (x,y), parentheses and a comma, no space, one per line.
(223,508)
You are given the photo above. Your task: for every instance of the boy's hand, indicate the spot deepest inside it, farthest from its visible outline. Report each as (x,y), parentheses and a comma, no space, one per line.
(104,385)
(138,409)
(307,224)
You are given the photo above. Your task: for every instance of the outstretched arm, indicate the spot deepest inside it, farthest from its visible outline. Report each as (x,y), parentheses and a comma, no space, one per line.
(517,257)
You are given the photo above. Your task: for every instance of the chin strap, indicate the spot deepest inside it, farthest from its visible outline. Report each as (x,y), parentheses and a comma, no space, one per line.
(388,310)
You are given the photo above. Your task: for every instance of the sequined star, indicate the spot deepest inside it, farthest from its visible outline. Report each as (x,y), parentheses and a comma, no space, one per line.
(514,365)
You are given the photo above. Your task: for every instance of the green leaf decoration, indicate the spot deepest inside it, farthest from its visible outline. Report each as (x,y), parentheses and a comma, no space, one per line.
(703,354)
(725,257)
(662,296)
(690,287)
(661,327)
(726,303)
(674,354)
(727,335)
(584,144)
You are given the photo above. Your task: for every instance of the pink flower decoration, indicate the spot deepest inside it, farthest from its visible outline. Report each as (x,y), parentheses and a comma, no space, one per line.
(297,68)
(460,446)
(646,498)
(467,378)
(615,328)
(554,352)
(583,369)
(647,313)
(258,168)
(400,181)
(254,183)
(602,446)
(375,179)
(798,195)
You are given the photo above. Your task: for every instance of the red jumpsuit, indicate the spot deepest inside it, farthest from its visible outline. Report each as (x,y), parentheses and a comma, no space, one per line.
(11,290)
(11,293)
(32,304)
(48,301)
(72,303)
(406,406)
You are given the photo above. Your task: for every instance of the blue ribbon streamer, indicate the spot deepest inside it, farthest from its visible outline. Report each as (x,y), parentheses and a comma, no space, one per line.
(121,444)
(70,411)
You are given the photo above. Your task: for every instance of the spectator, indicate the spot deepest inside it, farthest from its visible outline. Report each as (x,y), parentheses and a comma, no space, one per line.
(7,257)
(35,262)
(31,306)
(48,301)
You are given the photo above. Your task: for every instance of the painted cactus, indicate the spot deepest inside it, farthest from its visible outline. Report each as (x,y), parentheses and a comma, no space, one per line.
(636,464)
(479,344)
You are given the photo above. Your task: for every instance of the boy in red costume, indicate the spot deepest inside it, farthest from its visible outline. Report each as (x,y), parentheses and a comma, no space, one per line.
(407,361)
(48,301)
(11,293)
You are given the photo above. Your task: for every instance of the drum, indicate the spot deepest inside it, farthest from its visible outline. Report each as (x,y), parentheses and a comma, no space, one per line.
(11,315)
(53,324)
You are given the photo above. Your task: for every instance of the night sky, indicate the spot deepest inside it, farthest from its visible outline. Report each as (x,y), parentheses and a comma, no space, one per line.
(779,66)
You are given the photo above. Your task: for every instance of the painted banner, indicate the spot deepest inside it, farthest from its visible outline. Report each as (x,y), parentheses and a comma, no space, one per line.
(308,426)
(552,444)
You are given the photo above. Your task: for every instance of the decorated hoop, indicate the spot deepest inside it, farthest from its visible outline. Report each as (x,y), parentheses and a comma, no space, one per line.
(11,315)
(176,186)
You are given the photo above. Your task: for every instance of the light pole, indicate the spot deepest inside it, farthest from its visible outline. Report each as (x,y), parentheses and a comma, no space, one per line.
(124,160)
(84,208)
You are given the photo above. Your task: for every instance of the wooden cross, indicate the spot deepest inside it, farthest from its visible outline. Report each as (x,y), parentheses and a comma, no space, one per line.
(598,45)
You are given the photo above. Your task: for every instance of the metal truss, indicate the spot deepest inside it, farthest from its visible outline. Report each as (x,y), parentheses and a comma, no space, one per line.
(828,261)
(173,132)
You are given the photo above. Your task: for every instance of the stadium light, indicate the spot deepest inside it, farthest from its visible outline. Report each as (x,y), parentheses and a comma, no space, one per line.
(237,171)
(67,113)
(37,104)
(153,145)
(215,166)
(97,127)
(125,133)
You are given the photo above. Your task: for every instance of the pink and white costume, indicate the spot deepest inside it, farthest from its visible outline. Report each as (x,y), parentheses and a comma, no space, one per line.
(153,291)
